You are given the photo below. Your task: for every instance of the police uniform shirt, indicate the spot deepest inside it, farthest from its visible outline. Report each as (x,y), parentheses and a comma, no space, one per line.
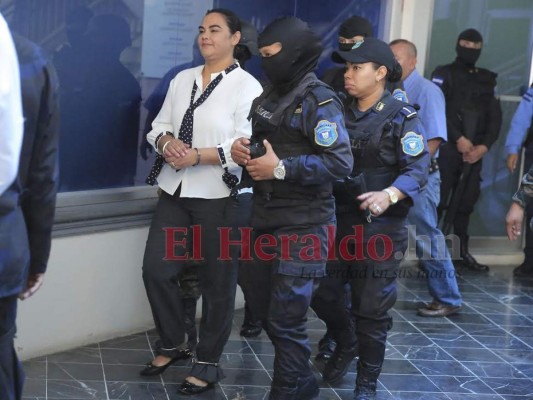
(11,121)
(520,123)
(218,122)
(432,112)
(323,124)
(403,145)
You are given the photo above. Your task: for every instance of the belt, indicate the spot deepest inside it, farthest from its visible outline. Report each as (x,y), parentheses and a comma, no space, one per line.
(433,166)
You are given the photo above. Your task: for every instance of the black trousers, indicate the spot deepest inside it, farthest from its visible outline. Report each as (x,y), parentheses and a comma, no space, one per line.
(11,373)
(451,167)
(218,277)
(372,277)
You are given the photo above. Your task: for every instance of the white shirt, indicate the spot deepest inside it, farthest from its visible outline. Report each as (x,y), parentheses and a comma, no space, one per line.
(11,120)
(218,121)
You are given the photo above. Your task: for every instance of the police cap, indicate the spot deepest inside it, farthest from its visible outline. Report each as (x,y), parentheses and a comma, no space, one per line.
(367,50)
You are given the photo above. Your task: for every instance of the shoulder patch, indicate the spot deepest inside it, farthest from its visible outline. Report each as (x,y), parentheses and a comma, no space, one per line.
(400,94)
(323,94)
(408,111)
(325,101)
(325,133)
(438,80)
(412,144)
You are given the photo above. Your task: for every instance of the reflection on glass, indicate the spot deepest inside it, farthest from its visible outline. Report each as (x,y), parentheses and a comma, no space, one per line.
(100,101)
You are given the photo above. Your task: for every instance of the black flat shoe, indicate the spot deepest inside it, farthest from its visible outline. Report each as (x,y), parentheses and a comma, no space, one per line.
(190,389)
(250,331)
(151,369)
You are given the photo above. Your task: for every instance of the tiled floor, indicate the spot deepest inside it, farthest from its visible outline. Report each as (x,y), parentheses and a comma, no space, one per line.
(485,352)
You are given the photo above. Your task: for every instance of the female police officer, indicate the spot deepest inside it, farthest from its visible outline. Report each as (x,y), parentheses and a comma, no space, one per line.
(300,122)
(391,167)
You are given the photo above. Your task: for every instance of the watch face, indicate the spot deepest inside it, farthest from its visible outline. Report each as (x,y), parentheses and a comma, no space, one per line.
(279,172)
(392,196)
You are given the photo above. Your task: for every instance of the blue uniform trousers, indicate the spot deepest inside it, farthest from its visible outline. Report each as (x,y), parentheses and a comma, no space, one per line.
(378,247)
(281,292)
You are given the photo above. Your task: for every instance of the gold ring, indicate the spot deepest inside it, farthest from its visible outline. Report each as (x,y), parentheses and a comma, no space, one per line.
(172,164)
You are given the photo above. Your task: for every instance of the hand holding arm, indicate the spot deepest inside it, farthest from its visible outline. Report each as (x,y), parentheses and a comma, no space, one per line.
(239,152)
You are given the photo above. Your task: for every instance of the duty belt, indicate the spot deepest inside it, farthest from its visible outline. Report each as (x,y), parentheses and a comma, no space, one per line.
(434,166)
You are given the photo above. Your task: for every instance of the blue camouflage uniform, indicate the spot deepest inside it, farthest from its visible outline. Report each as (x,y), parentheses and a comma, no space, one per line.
(520,134)
(306,130)
(388,150)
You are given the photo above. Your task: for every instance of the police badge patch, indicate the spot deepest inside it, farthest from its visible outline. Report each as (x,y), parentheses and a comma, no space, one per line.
(325,133)
(412,144)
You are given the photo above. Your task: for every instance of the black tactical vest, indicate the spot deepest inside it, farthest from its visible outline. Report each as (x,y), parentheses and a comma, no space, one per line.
(375,146)
(280,121)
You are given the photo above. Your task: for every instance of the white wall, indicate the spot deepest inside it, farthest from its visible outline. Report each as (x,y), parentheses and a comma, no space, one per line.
(93,291)
(410,20)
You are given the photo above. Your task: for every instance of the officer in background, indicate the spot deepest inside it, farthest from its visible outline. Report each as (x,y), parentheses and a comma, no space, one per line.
(521,134)
(521,200)
(351,31)
(474,119)
(298,126)
(390,169)
(433,255)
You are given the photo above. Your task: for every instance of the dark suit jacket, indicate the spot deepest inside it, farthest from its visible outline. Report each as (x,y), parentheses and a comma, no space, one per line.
(38,171)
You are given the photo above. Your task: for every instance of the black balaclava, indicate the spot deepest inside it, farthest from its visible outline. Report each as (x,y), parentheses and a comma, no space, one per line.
(300,50)
(468,56)
(354,26)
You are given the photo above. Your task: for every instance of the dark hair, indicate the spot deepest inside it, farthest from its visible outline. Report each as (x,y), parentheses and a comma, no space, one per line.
(394,74)
(233,22)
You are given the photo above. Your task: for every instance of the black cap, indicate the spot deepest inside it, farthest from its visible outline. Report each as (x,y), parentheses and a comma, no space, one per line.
(249,37)
(368,50)
(355,26)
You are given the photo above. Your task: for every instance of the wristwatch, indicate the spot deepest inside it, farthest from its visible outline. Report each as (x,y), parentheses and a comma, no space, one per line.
(393,197)
(279,171)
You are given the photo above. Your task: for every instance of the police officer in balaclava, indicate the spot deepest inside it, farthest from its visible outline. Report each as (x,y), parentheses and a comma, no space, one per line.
(351,31)
(473,120)
(299,146)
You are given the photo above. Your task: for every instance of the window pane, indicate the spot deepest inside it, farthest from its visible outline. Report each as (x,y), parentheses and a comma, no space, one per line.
(110,56)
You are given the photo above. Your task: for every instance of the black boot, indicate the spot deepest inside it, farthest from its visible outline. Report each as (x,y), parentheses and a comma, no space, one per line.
(338,365)
(326,347)
(250,328)
(524,270)
(468,261)
(367,381)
